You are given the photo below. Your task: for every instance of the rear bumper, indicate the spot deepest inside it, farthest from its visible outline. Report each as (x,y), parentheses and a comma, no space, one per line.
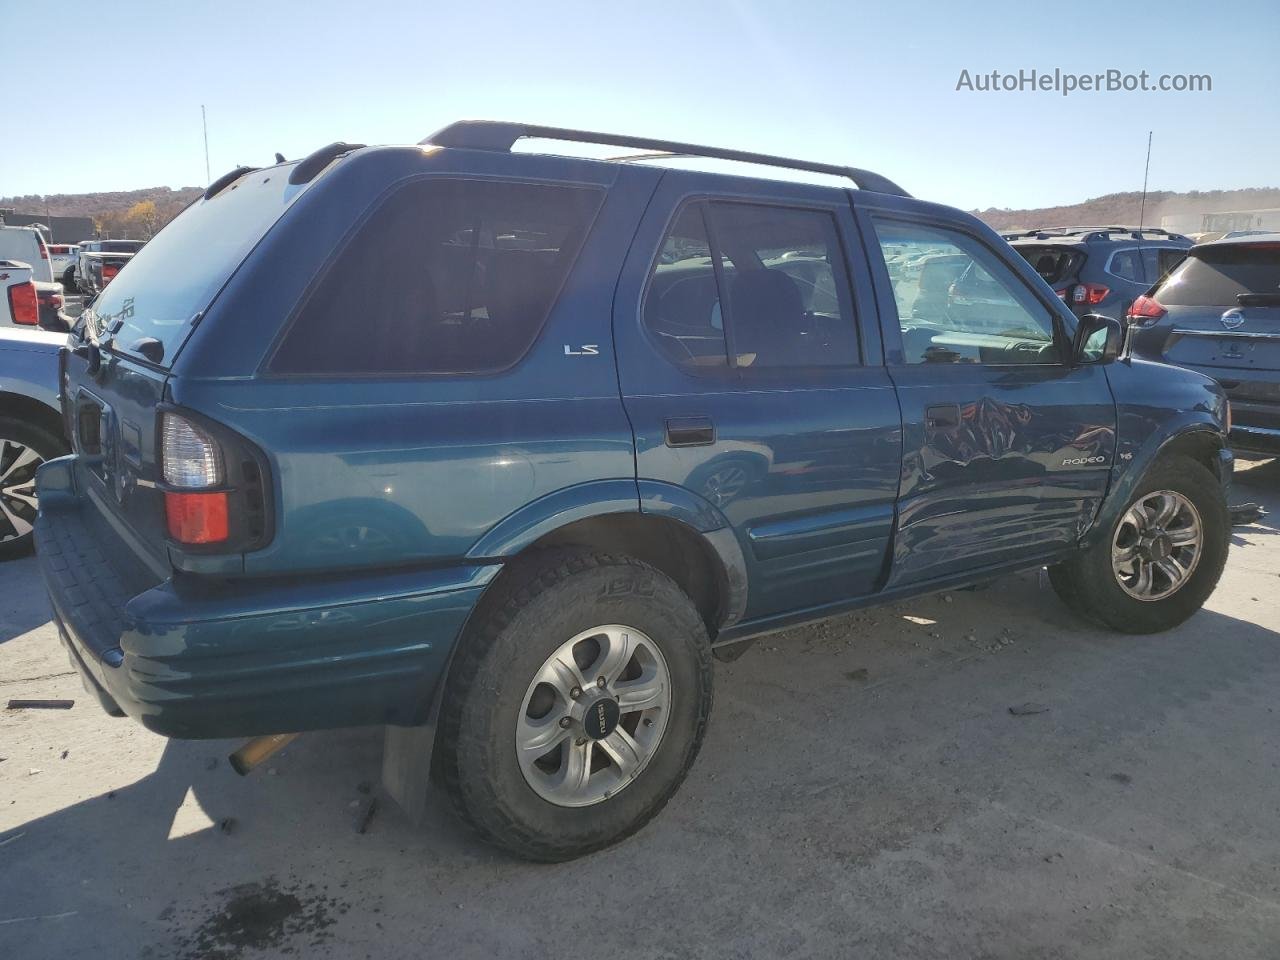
(197,660)
(1251,438)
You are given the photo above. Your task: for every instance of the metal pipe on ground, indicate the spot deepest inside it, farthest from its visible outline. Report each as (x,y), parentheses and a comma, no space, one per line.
(257,750)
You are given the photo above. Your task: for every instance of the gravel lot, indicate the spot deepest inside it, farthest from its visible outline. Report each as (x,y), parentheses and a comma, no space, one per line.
(864,791)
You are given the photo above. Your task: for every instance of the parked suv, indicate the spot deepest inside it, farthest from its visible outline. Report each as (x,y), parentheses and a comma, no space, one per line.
(1219,313)
(513,443)
(1100,269)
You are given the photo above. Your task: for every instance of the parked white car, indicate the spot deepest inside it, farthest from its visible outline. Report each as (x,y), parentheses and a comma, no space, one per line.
(26,245)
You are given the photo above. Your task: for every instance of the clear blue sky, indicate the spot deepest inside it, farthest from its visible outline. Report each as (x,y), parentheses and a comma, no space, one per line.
(870,84)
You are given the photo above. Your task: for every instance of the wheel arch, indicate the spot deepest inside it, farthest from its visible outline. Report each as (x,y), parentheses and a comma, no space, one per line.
(1201,439)
(34,411)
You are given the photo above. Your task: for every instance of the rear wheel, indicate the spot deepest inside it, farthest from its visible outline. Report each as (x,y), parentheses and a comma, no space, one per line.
(23,447)
(575,707)
(1160,560)
(69,280)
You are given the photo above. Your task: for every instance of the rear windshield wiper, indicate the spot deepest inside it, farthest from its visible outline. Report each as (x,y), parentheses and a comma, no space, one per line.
(1258,299)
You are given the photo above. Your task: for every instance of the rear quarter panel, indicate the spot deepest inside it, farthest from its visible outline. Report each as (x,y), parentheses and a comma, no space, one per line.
(382,471)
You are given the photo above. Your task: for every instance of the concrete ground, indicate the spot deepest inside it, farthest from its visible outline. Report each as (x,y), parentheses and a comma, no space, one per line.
(864,791)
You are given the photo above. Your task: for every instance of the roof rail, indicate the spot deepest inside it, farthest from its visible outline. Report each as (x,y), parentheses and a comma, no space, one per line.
(500,135)
(312,164)
(224,181)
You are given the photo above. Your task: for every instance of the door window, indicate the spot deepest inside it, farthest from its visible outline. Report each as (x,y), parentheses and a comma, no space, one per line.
(752,286)
(958,303)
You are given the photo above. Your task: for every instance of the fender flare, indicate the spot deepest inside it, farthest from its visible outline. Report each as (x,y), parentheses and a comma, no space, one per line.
(1151,449)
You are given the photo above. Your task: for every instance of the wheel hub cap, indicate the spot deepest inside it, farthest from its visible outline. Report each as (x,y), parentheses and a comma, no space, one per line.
(593,716)
(18,464)
(1157,545)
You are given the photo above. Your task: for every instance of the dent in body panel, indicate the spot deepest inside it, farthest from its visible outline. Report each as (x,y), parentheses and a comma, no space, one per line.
(1022,472)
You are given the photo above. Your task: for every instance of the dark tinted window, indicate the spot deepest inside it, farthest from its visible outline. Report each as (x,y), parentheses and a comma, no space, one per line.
(682,304)
(788,302)
(447,276)
(788,293)
(1215,276)
(1055,264)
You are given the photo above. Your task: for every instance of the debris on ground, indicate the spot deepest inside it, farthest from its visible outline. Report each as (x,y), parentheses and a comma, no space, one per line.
(227,824)
(1123,778)
(65,753)
(41,704)
(33,771)
(1027,709)
(364,813)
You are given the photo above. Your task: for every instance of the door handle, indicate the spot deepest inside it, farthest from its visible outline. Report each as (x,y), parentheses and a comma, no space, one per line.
(690,432)
(942,415)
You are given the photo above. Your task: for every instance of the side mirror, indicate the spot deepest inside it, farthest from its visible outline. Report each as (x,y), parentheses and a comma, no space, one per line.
(1098,339)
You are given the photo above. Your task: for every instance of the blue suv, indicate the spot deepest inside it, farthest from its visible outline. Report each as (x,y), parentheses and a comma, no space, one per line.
(1100,269)
(499,449)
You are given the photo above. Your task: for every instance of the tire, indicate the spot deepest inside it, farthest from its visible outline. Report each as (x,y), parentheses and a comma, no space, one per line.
(494,686)
(69,279)
(1091,584)
(23,447)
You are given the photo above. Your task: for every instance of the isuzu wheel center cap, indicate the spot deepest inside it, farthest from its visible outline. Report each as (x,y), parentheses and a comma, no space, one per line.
(601,718)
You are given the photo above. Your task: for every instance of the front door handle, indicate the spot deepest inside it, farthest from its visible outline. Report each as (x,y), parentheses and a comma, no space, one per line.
(942,415)
(690,432)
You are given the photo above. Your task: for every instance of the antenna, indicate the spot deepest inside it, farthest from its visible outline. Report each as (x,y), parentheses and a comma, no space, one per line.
(204,122)
(1142,209)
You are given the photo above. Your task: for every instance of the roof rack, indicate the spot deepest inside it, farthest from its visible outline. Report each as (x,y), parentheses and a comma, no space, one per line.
(500,135)
(1137,233)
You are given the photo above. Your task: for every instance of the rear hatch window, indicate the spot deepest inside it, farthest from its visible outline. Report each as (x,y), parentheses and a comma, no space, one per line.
(175,276)
(120,246)
(1217,276)
(1055,264)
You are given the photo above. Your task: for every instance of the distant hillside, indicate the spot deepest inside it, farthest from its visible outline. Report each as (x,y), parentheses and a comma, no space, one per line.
(1123,208)
(109,209)
(96,204)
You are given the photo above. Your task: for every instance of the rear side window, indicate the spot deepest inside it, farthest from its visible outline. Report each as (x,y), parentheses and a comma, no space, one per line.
(1215,276)
(1128,265)
(446,276)
(752,286)
(1055,264)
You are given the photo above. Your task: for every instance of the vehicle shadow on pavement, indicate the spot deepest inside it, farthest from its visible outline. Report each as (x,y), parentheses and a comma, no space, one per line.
(192,861)
(23,610)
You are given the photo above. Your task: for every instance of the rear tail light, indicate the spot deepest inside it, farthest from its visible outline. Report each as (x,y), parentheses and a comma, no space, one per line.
(44,251)
(197,518)
(109,271)
(191,458)
(24,305)
(1089,294)
(213,485)
(1146,310)
(191,461)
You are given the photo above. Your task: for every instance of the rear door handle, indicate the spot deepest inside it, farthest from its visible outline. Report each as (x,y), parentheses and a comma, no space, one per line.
(690,432)
(942,415)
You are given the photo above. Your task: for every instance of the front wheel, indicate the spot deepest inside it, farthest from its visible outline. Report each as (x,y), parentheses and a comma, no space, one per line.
(576,705)
(1160,560)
